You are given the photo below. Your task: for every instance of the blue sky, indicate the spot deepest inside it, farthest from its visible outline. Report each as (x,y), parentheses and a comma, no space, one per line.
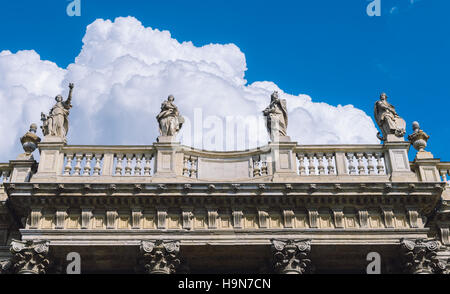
(331,50)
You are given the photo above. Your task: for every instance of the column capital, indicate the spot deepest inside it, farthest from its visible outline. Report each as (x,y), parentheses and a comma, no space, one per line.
(29,257)
(420,256)
(160,257)
(291,256)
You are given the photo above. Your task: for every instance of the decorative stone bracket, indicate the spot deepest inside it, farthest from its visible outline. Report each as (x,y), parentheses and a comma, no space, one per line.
(291,256)
(160,257)
(420,257)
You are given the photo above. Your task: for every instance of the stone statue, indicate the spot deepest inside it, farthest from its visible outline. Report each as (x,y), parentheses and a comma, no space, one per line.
(29,142)
(56,124)
(170,120)
(392,126)
(277,117)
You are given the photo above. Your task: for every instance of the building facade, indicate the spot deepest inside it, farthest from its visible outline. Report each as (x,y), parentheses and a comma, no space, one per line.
(281,208)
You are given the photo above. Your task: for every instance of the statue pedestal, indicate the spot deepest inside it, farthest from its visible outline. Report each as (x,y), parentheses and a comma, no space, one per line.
(393,138)
(167,158)
(51,160)
(166,139)
(280,139)
(398,162)
(22,168)
(283,159)
(54,139)
(424,155)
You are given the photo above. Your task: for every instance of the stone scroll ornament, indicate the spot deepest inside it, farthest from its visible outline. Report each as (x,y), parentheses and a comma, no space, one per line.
(420,257)
(392,126)
(160,257)
(169,119)
(56,123)
(276,117)
(28,258)
(292,256)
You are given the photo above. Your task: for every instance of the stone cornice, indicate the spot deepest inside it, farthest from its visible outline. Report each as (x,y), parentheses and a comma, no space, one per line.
(423,196)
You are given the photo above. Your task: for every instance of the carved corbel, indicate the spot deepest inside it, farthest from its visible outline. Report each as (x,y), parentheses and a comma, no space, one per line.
(160,257)
(291,256)
(420,257)
(29,257)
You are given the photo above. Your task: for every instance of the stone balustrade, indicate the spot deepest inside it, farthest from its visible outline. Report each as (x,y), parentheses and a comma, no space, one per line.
(98,161)
(347,160)
(172,162)
(444,171)
(5,173)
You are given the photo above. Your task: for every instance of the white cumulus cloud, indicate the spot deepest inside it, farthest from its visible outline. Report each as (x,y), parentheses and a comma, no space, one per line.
(125,70)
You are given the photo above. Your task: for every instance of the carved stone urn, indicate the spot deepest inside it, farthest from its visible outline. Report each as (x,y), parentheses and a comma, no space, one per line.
(418,138)
(30,140)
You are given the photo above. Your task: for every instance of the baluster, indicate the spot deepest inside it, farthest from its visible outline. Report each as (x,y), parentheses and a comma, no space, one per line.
(380,165)
(264,168)
(361,168)
(301,164)
(186,166)
(147,166)
(311,165)
(129,158)
(68,167)
(87,166)
(119,164)
(321,165)
(6,174)
(97,167)
(77,168)
(331,169)
(370,164)
(351,166)
(138,167)
(193,167)
(256,169)
(443,173)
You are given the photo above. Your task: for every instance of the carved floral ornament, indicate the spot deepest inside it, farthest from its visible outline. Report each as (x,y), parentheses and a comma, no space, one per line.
(160,257)
(29,257)
(420,257)
(291,256)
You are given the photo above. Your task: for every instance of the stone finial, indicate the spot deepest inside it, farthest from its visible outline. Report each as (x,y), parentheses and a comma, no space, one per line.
(29,142)
(170,121)
(419,141)
(55,125)
(392,126)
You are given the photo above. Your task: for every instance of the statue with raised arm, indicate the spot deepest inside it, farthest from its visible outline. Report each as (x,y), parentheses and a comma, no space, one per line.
(276,117)
(169,119)
(56,123)
(392,126)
